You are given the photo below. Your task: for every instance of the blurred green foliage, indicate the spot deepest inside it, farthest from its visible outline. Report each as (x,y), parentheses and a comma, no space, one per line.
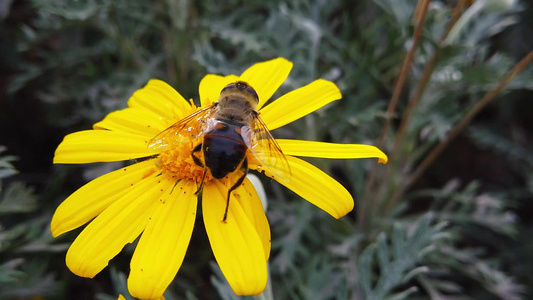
(461,231)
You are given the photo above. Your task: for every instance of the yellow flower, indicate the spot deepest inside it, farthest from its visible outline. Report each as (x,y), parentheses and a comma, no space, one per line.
(120,297)
(155,198)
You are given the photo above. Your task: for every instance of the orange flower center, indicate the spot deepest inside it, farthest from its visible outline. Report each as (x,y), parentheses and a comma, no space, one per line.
(179,164)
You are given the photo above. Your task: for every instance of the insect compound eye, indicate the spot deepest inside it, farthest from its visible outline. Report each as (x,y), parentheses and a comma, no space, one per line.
(252,92)
(241,85)
(228,87)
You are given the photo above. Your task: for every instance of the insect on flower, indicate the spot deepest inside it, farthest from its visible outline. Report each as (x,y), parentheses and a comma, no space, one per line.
(225,131)
(182,151)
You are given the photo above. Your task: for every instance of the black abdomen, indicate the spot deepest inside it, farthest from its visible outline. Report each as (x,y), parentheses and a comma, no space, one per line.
(224,149)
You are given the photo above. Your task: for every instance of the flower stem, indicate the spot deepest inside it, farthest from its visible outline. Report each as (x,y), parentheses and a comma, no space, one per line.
(267,293)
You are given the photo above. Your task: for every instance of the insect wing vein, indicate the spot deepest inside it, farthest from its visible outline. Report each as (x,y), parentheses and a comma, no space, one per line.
(267,151)
(186,129)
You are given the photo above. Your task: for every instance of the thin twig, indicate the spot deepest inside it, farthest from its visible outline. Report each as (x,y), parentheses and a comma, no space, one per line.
(420,88)
(459,127)
(456,14)
(420,18)
(415,99)
(404,72)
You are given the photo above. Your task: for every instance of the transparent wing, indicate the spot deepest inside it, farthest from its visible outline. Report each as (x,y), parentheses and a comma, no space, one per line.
(267,151)
(191,127)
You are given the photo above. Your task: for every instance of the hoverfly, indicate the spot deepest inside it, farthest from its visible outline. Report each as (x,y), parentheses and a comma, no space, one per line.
(227,130)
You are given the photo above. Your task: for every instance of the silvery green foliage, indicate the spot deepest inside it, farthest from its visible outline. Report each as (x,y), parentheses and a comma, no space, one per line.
(399,259)
(6,167)
(20,274)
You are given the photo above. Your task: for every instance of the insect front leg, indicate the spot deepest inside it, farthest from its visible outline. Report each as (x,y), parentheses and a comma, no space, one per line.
(235,186)
(197,161)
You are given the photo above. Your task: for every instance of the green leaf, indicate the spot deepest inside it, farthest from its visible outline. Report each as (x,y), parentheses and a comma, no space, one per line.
(401,266)
(6,167)
(18,199)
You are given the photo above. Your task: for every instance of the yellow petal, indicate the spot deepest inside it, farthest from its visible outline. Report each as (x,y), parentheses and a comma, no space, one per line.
(134,120)
(266,77)
(300,102)
(235,243)
(319,188)
(162,99)
(330,150)
(90,146)
(121,223)
(91,199)
(253,208)
(120,297)
(163,244)
(211,86)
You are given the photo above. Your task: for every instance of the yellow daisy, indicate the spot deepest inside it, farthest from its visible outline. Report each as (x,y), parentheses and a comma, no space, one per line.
(156,199)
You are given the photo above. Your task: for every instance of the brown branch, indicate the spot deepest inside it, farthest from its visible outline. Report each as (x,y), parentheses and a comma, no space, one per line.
(420,17)
(426,75)
(459,127)
(415,98)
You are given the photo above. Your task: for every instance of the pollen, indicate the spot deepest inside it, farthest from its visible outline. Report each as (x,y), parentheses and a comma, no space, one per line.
(178,163)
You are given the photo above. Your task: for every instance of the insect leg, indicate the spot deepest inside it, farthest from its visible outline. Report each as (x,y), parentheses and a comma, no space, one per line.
(201,164)
(196,159)
(235,186)
(200,188)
